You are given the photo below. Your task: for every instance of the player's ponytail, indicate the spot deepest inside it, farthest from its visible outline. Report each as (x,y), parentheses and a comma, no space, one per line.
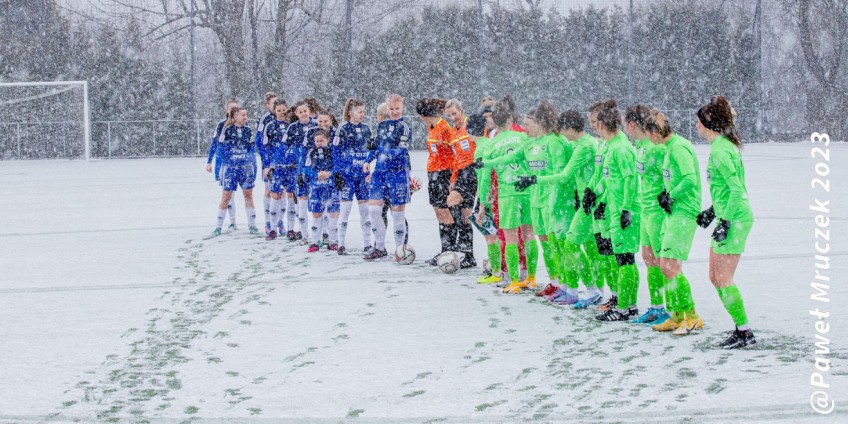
(717,115)
(657,122)
(350,103)
(547,116)
(637,114)
(231,116)
(608,115)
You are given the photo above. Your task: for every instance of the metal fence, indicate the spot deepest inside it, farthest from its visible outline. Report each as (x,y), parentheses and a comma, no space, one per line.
(191,137)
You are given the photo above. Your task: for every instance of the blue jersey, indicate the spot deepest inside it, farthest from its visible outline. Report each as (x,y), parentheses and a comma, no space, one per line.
(275,133)
(350,148)
(236,146)
(392,142)
(318,159)
(294,140)
(261,141)
(214,148)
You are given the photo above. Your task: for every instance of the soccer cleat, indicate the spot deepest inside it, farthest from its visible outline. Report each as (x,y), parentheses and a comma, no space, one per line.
(432,261)
(587,301)
(268,228)
(468,261)
(333,246)
(298,236)
(738,339)
(291,235)
(232,227)
(611,303)
(668,325)
(566,299)
(547,291)
(376,254)
(216,232)
(662,317)
(688,325)
(556,294)
(342,251)
(514,287)
(367,250)
(649,317)
(326,239)
(312,248)
(254,230)
(529,282)
(271,235)
(489,279)
(613,315)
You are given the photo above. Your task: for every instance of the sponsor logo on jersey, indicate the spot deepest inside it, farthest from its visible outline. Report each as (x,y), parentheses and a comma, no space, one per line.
(666,175)
(537,164)
(599,159)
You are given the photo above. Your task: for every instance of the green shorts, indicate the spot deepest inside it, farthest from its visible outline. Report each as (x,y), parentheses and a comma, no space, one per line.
(624,240)
(580,231)
(678,231)
(560,215)
(650,231)
(514,211)
(734,244)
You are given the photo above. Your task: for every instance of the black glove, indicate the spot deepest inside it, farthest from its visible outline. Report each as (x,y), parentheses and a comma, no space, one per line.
(477,164)
(301,182)
(589,199)
(576,201)
(524,182)
(271,170)
(600,211)
(720,233)
(339,181)
(626,219)
(706,217)
(371,145)
(665,201)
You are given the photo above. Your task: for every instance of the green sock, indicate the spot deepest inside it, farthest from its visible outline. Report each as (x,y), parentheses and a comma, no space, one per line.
(683,292)
(628,286)
(493,251)
(611,272)
(593,263)
(656,285)
(548,256)
(576,263)
(556,264)
(732,300)
(511,254)
(531,252)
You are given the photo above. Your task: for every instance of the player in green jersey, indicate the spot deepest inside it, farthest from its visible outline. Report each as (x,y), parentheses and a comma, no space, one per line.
(484,219)
(726,176)
(680,200)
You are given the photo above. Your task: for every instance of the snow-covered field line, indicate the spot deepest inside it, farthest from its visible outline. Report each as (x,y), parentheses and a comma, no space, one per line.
(117,308)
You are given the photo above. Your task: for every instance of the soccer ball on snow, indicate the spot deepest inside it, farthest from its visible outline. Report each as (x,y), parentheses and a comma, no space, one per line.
(448,262)
(405,254)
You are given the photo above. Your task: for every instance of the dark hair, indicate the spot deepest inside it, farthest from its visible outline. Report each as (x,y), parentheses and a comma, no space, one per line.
(637,114)
(572,119)
(430,107)
(547,116)
(350,103)
(280,101)
(322,132)
(231,115)
(476,125)
(503,111)
(717,115)
(608,115)
(333,120)
(293,109)
(657,122)
(313,105)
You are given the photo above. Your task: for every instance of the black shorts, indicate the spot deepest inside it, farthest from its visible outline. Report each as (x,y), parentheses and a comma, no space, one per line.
(466,186)
(439,188)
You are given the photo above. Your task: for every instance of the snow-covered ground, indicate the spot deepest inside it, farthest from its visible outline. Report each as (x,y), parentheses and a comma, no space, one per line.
(114,307)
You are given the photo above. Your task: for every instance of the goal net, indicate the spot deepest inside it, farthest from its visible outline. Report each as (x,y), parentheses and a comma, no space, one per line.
(44,120)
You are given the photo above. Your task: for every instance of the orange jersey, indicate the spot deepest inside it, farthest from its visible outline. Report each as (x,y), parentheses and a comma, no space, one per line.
(463,149)
(439,137)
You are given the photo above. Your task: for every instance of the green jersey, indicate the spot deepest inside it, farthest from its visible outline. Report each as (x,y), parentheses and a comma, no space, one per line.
(597,181)
(507,144)
(621,185)
(726,176)
(545,155)
(579,171)
(649,161)
(484,176)
(681,176)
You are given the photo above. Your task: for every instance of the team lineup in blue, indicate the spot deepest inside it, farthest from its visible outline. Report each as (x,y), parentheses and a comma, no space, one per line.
(537,185)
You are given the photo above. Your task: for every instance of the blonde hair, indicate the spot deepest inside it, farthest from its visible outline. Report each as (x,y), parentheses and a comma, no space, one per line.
(394,97)
(453,103)
(382,111)
(270,95)
(657,122)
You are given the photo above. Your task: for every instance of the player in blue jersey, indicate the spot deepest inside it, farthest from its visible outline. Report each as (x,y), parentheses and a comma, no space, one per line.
(350,150)
(323,196)
(214,152)
(326,121)
(275,133)
(295,141)
(391,176)
(238,167)
(264,155)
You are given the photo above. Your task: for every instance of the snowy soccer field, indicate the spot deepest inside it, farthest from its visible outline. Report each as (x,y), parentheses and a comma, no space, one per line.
(113,307)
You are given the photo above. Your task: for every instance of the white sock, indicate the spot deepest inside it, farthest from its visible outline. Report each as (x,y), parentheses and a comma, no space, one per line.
(316,237)
(376,213)
(291,208)
(365,224)
(302,213)
(251,217)
(344,214)
(281,214)
(231,209)
(221,214)
(273,209)
(399,224)
(266,202)
(334,229)
(325,224)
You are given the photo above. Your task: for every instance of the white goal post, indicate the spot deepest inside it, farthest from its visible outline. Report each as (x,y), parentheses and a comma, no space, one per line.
(86,118)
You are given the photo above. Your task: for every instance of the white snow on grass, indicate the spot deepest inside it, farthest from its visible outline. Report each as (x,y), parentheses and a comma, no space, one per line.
(116,306)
